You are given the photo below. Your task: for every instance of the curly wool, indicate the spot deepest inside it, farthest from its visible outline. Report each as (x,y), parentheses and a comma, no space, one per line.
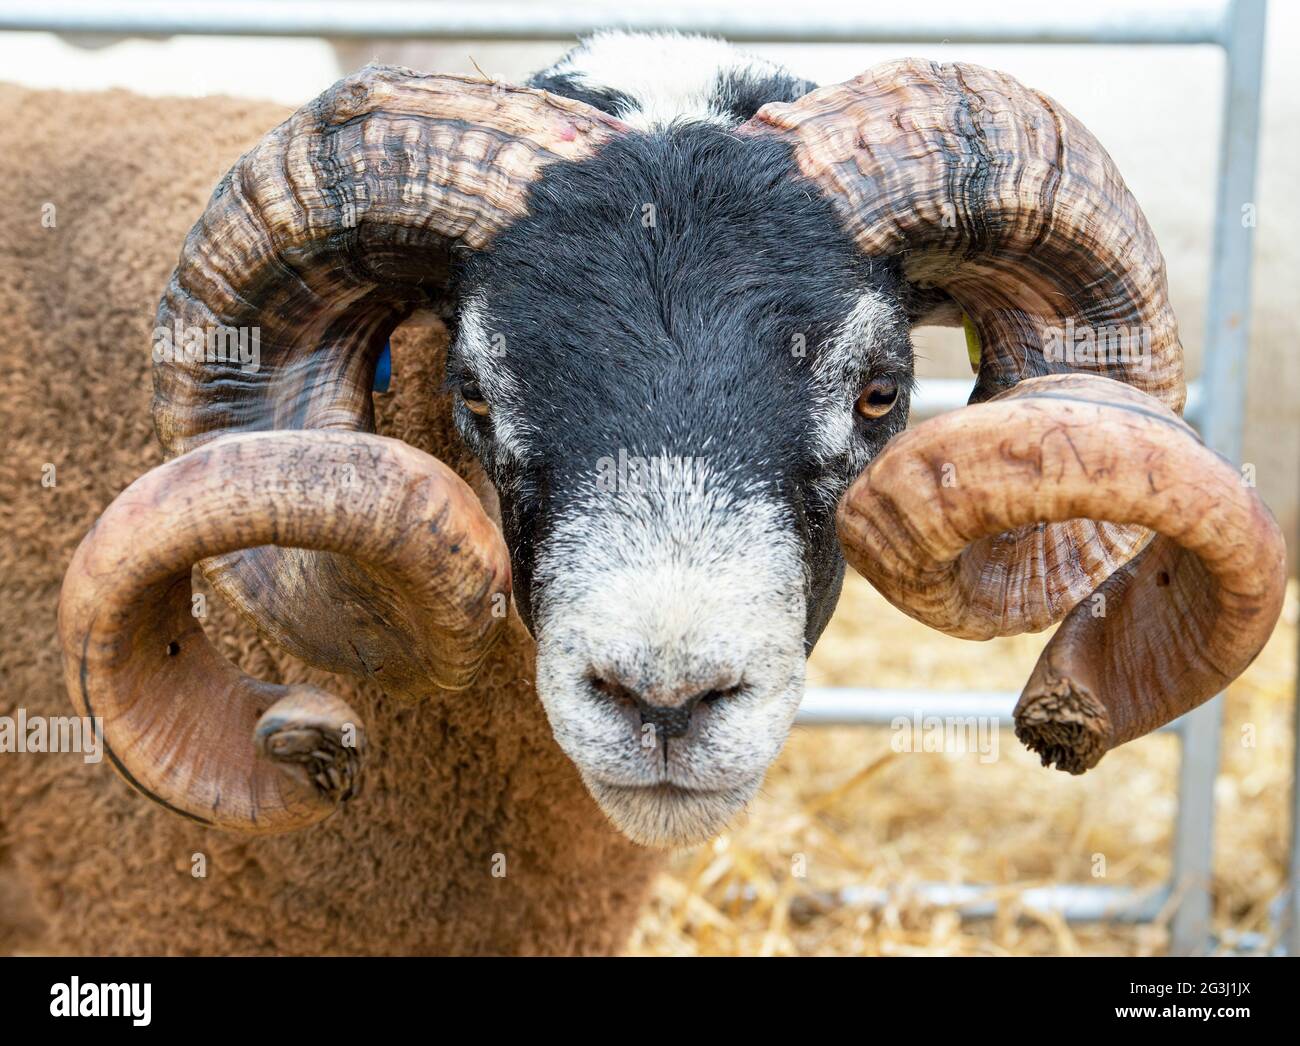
(457,790)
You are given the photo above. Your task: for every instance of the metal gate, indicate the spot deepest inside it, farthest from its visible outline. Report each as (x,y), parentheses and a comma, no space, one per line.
(1236,26)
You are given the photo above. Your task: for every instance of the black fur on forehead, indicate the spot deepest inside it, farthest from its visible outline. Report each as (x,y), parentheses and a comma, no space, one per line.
(742,92)
(672,295)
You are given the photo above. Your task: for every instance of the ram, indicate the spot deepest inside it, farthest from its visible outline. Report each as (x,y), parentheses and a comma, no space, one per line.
(550,598)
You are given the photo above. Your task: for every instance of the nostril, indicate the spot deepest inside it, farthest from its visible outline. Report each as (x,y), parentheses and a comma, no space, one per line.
(616,692)
(710,696)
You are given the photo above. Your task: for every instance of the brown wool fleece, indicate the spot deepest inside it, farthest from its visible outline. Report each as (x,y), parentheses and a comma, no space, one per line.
(86,864)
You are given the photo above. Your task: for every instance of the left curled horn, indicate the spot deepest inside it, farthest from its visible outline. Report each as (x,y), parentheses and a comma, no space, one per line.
(993,197)
(325,236)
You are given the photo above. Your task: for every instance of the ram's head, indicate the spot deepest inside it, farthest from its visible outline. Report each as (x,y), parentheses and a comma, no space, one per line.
(676,358)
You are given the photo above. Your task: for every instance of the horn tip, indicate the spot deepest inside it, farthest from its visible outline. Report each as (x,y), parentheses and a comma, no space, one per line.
(316,739)
(1060,720)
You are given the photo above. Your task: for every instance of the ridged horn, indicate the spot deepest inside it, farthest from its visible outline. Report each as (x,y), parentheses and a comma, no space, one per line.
(321,239)
(994,197)
(1165,632)
(183,725)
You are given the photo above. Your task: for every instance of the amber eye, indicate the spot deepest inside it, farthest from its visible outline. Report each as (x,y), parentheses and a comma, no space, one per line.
(878,398)
(473,397)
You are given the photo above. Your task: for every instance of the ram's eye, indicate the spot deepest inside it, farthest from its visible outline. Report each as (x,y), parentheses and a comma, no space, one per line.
(878,398)
(473,397)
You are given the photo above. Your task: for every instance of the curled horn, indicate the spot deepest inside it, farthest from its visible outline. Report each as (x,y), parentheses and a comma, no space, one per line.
(336,226)
(181,723)
(354,552)
(996,199)
(1165,632)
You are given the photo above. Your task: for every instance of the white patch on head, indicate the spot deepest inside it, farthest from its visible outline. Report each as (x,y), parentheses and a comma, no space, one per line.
(670,593)
(668,76)
(837,368)
(483,349)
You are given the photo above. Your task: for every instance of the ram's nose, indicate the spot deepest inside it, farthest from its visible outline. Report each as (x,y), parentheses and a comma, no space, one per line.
(667,707)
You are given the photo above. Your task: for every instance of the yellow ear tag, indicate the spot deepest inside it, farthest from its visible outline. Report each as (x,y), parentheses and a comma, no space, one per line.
(972,343)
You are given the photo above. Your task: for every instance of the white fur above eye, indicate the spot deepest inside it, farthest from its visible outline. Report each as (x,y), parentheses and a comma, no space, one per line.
(482,349)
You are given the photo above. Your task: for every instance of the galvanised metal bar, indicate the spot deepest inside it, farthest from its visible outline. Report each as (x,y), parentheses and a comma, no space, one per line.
(1227,331)
(1291,889)
(1076,902)
(852,706)
(938,21)
(846,706)
(843,706)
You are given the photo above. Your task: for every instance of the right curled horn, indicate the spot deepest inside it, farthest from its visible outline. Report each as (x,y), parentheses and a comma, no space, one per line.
(1007,515)
(355,553)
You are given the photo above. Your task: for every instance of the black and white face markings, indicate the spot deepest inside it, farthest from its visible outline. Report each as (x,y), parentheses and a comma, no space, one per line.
(652,81)
(659,368)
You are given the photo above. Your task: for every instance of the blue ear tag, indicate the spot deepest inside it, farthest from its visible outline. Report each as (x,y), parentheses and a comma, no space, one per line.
(384,368)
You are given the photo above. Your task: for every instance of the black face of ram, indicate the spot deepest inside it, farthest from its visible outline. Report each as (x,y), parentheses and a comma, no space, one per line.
(664,315)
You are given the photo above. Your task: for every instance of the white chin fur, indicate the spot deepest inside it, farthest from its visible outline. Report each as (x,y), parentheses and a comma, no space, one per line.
(665,591)
(667,818)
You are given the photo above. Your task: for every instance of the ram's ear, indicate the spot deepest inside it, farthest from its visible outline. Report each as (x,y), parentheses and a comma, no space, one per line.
(415,407)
